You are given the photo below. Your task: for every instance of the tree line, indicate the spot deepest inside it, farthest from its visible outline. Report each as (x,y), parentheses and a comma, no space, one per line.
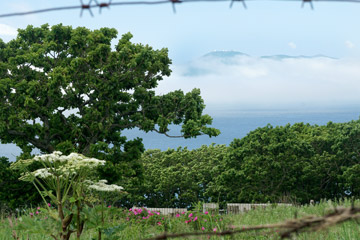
(293,163)
(70,90)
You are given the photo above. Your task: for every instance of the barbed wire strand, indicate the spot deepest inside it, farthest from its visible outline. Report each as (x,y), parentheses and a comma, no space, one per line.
(90,5)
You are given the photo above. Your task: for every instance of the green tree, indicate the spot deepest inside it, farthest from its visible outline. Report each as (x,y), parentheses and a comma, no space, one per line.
(67,89)
(179,178)
(13,192)
(296,163)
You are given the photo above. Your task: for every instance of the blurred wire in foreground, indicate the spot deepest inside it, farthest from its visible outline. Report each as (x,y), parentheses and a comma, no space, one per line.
(92,4)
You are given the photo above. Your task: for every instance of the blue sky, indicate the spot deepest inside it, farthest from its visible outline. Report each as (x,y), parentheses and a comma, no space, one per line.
(265,28)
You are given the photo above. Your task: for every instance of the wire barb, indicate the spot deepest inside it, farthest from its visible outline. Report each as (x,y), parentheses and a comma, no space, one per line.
(173,4)
(87,7)
(309,1)
(243,2)
(102,5)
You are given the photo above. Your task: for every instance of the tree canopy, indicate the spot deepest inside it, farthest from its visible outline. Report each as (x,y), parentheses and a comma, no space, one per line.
(67,89)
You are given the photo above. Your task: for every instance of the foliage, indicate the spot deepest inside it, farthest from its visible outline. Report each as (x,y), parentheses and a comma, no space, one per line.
(67,89)
(293,163)
(178,178)
(15,193)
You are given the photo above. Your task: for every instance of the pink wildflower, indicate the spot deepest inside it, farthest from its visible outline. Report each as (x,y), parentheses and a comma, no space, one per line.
(38,208)
(159,223)
(206,212)
(190,215)
(195,219)
(202,228)
(157,213)
(109,206)
(183,213)
(177,215)
(31,214)
(215,229)
(37,212)
(49,204)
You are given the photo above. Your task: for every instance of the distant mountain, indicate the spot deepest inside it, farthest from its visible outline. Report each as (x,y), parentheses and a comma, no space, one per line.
(231,54)
(199,67)
(224,54)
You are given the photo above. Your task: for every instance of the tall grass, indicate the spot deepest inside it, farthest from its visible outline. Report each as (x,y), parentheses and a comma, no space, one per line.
(139,228)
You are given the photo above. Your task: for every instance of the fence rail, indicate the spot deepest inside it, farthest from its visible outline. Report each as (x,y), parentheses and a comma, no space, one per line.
(232,208)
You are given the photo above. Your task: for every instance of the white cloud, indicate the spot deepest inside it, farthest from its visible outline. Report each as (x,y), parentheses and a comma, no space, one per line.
(7,30)
(349,44)
(292,45)
(253,82)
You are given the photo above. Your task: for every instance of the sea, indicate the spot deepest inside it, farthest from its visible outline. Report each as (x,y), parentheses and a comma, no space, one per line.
(232,126)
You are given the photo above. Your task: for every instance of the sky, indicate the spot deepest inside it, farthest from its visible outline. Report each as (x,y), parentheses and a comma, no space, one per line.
(265,28)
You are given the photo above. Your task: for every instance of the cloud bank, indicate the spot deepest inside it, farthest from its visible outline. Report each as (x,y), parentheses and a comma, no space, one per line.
(272,82)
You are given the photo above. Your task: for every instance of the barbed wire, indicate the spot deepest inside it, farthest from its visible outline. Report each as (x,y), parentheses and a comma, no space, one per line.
(93,4)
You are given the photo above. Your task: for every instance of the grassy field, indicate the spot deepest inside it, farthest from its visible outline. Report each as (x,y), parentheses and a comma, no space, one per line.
(141,224)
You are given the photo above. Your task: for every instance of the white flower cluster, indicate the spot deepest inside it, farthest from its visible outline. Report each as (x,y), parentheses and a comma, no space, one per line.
(102,186)
(42,173)
(57,164)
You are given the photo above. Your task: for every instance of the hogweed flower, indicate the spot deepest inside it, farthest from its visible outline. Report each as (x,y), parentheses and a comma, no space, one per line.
(101,186)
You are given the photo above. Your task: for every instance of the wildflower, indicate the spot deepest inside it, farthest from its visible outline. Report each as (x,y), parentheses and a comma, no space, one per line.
(183,213)
(206,212)
(49,204)
(37,212)
(159,223)
(31,214)
(215,229)
(187,221)
(177,215)
(101,186)
(38,208)
(195,218)
(202,228)
(109,206)
(158,213)
(190,215)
